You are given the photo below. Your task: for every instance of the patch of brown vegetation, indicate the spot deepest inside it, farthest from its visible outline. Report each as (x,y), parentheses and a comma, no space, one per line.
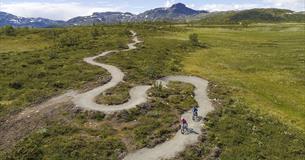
(18,126)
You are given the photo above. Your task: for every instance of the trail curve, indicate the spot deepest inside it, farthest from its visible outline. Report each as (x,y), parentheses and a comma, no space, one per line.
(138,95)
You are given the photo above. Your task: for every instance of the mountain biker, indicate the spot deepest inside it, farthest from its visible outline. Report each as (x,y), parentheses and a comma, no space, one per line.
(184,123)
(195,111)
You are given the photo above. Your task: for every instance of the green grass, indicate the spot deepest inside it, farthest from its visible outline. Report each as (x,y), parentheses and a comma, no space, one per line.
(74,135)
(158,124)
(259,77)
(245,17)
(141,66)
(114,96)
(155,58)
(68,142)
(23,43)
(34,72)
(259,72)
(241,133)
(264,64)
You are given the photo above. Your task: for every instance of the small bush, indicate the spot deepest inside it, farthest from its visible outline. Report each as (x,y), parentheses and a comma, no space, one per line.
(97,31)
(9,31)
(159,91)
(53,55)
(59,85)
(1,109)
(194,39)
(35,62)
(51,34)
(125,32)
(68,40)
(153,72)
(16,85)
(122,45)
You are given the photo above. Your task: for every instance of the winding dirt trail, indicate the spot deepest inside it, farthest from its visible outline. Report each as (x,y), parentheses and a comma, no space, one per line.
(18,126)
(179,142)
(138,95)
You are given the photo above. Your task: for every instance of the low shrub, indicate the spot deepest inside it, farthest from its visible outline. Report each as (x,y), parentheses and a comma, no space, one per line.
(8,31)
(16,85)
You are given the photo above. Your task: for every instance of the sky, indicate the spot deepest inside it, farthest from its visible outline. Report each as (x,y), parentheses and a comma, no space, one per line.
(66,9)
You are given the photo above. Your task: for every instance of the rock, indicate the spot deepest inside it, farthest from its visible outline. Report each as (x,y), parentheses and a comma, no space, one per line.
(216,152)
(155,142)
(110,116)
(203,138)
(106,80)
(122,155)
(122,116)
(76,110)
(108,94)
(144,107)
(96,115)
(205,119)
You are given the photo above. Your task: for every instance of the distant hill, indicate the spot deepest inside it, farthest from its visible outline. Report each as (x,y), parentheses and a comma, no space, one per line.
(302,12)
(175,12)
(9,19)
(103,17)
(270,15)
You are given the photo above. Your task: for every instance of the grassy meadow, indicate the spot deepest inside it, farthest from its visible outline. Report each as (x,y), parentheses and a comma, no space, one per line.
(264,63)
(39,63)
(256,79)
(125,131)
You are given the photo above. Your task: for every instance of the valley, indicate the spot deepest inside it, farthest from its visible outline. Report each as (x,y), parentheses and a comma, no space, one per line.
(120,86)
(233,100)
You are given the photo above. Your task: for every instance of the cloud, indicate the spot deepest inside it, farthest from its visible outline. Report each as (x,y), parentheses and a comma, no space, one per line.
(297,5)
(63,9)
(226,7)
(58,11)
(289,4)
(286,1)
(191,5)
(169,3)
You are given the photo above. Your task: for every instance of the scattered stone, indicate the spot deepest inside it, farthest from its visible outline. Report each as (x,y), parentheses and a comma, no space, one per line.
(155,142)
(122,155)
(95,115)
(76,110)
(122,116)
(216,152)
(106,79)
(144,107)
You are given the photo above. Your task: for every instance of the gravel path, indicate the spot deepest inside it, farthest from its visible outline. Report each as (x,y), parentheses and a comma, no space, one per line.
(179,142)
(18,126)
(138,95)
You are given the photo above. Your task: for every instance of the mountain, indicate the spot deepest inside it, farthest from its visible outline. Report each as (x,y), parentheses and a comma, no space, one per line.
(302,12)
(104,17)
(9,19)
(269,15)
(175,12)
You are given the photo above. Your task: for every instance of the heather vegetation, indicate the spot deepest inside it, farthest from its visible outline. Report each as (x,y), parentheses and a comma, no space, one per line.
(257,86)
(258,76)
(254,16)
(39,63)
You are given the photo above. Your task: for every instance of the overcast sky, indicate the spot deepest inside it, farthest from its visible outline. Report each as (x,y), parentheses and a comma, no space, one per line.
(64,9)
